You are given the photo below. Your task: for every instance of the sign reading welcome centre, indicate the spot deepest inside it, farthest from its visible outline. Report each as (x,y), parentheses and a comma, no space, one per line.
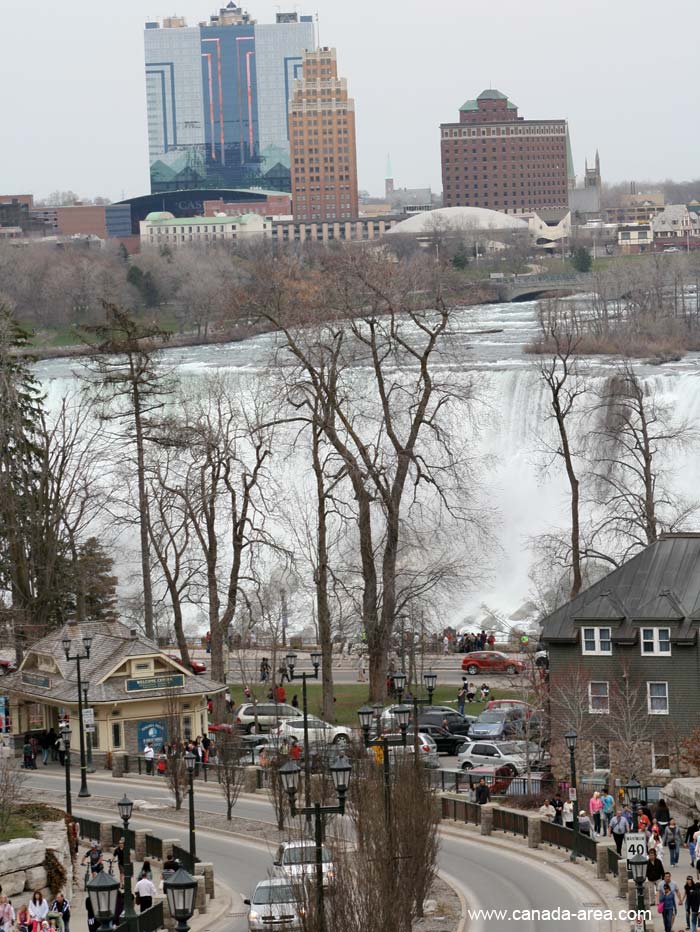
(167,681)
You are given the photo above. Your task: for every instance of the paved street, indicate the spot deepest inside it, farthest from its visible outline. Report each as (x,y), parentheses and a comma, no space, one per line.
(488,876)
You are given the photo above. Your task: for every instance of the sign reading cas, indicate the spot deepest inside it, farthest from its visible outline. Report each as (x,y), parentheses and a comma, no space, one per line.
(635,843)
(167,681)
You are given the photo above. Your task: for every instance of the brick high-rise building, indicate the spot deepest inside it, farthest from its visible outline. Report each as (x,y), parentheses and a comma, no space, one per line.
(322,142)
(496,159)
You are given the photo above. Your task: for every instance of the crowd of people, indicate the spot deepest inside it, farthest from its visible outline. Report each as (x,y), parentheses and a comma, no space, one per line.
(38,915)
(467,642)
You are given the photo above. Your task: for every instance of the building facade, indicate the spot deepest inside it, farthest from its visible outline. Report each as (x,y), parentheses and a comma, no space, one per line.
(624,662)
(162,229)
(494,158)
(322,142)
(364,230)
(275,204)
(217,97)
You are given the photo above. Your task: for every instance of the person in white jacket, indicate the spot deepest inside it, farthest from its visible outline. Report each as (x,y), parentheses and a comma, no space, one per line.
(38,908)
(7,915)
(146,891)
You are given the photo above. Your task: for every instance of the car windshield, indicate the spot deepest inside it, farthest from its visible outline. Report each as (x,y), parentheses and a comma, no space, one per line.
(490,718)
(273,893)
(515,747)
(305,854)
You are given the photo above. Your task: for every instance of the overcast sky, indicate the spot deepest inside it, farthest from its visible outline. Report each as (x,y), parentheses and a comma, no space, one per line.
(623,72)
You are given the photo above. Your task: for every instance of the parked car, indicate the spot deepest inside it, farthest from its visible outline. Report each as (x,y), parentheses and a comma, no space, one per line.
(505,705)
(451,721)
(496,725)
(196,666)
(269,714)
(511,754)
(490,661)
(273,905)
(320,732)
(426,747)
(295,859)
(445,741)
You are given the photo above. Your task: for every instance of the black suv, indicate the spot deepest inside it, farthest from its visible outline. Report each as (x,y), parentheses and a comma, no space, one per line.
(453,722)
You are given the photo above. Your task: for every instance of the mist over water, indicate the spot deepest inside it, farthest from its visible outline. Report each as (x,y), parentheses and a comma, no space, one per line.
(512,414)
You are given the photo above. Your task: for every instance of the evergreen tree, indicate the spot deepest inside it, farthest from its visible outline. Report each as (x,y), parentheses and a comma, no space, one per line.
(581,259)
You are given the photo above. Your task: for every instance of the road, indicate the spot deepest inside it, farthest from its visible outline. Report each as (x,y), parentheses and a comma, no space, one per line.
(488,876)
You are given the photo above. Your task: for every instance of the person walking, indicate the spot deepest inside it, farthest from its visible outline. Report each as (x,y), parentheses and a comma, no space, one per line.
(692,906)
(145,892)
(61,906)
(60,745)
(672,841)
(608,809)
(38,908)
(45,745)
(655,873)
(7,914)
(483,793)
(618,828)
(667,907)
(149,753)
(662,815)
(595,807)
(461,697)
(690,838)
(119,853)
(688,887)
(558,804)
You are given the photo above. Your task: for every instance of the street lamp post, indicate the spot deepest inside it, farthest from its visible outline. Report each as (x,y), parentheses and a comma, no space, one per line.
(291,659)
(180,890)
(77,656)
(571,737)
(633,788)
(190,762)
(365,715)
(340,772)
(126,807)
(67,734)
(88,736)
(429,681)
(638,867)
(399,683)
(102,891)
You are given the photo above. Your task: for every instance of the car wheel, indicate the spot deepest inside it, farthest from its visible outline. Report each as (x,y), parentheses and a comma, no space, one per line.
(511,670)
(340,741)
(512,771)
(472,670)
(467,766)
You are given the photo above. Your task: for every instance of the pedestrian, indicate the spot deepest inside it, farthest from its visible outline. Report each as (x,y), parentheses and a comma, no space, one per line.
(91,921)
(608,802)
(170,865)
(690,838)
(145,891)
(295,701)
(692,905)
(688,887)
(485,691)
(568,814)
(547,811)
(38,908)
(52,743)
(662,814)
(618,828)
(655,841)
(45,745)
(264,670)
(584,823)
(146,870)
(667,907)
(558,804)
(483,793)
(672,841)
(280,694)
(655,873)
(461,698)
(24,921)
(149,753)
(595,807)
(60,745)
(471,692)
(119,853)
(7,914)
(361,670)
(445,645)
(295,750)
(61,906)
(27,762)
(283,673)
(207,642)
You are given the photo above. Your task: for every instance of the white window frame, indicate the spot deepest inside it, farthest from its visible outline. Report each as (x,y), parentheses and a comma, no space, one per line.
(666,754)
(655,643)
(607,697)
(649,697)
(602,745)
(597,640)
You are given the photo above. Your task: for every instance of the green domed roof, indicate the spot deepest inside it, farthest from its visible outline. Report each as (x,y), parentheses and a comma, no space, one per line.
(160,215)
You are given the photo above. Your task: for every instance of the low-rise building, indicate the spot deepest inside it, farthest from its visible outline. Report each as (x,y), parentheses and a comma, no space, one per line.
(676,226)
(366,229)
(275,204)
(635,237)
(163,229)
(136,691)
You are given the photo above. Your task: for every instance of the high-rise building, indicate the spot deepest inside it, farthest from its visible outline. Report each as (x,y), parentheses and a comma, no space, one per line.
(496,159)
(322,142)
(218,96)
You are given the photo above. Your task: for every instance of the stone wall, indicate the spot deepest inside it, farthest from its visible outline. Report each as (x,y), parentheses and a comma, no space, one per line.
(683,797)
(22,863)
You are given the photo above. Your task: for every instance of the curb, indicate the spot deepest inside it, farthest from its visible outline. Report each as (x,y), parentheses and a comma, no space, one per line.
(452,882)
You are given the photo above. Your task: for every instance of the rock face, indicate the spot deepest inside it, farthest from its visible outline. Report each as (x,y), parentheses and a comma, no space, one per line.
(21,853)
(22,861)
(683,797)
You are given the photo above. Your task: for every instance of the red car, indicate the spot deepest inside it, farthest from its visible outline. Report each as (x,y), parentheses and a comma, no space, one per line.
(490,661)
(196,666)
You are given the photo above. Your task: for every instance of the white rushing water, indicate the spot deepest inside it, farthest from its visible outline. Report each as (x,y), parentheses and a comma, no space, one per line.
(527,500)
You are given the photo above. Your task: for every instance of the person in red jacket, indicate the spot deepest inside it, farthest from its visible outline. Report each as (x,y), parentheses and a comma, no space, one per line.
(280,694)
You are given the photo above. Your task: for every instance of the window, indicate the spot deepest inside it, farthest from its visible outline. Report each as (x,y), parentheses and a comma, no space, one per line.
(596,641)
(601,756)
(657,698)
(656,641)
(660,757)
(116,734)
(598,697)
(187,727)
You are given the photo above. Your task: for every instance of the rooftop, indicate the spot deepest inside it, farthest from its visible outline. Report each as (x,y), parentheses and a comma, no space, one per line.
(163,217)
(489,94)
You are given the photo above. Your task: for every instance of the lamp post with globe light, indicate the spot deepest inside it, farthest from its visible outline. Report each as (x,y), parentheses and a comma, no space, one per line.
(126,807)
(102,890)
(571,737)
(180,891)
(67,734)
(190,760)
(638,867)
(291,659)
(77,657)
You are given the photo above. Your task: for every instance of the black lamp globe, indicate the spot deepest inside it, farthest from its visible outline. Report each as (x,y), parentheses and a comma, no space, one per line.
(180,890)
(66,646)
(634,786)
(638,867)
(291,659)
(315,657)
(289,774)
(340,771)
(430,680)
(189,761)
(87,643)
(102,891)
(571,737)
(125,807)
(402,714)
(399,681)
(366,717)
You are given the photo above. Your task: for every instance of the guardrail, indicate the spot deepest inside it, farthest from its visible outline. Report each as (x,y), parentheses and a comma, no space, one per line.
(562,837)
(154,846)
(128,836)
(185,858)
(460,810)
(147,921)
(508,821)
(89,828)
(613,861)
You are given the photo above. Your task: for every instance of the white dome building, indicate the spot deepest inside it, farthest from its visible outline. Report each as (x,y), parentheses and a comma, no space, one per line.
(459,220)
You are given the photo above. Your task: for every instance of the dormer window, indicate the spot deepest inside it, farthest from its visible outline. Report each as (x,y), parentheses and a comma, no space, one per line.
(596,641)
(656,642)
(142,667)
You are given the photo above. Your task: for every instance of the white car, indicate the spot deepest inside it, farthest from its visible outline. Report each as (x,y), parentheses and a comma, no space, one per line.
(427,749)
(320,732)
(273,905)
(512,754)
(297,859)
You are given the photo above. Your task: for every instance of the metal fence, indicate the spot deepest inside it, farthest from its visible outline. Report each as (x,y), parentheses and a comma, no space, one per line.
(154,846)
(129,836)
(89,829)
(613,861)
(461,811)
(185,858)
(147,921)
(508,821)
(564,838)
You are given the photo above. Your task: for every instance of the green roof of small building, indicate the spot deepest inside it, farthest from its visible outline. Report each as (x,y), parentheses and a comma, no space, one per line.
(490,94)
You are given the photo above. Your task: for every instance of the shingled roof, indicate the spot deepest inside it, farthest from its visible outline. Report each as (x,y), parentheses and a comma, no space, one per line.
(661,584)
(112,643)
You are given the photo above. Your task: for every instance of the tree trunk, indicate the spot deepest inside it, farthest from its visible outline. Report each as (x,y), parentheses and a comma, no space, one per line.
(322,605)
(144,519)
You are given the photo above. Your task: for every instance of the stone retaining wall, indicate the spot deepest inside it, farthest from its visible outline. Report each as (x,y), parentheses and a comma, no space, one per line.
(22,862)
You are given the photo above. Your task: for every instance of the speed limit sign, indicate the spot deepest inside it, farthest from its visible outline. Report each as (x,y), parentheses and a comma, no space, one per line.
(635,844)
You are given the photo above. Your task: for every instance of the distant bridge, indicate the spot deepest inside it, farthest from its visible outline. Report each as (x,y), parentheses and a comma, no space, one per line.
(531,287)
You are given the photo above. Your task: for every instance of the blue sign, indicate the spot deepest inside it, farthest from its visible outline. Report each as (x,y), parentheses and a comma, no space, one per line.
(162,682)
(153,731)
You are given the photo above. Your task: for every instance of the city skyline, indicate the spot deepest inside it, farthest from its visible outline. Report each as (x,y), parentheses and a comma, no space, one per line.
(84,127)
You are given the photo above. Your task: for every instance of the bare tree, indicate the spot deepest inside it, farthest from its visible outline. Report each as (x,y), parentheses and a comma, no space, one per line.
(12,781)
(628,728)
(176,775)
(230,768)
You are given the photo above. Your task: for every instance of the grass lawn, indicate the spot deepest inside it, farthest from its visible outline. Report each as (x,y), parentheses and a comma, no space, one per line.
(17,826)
(349,697)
